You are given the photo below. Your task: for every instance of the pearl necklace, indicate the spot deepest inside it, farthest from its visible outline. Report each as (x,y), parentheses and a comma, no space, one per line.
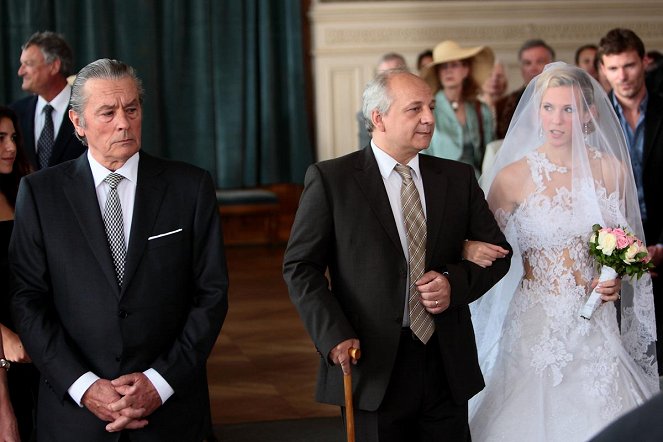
(454,105)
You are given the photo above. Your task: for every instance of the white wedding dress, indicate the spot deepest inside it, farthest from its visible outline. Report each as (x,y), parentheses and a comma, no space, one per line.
(554,376)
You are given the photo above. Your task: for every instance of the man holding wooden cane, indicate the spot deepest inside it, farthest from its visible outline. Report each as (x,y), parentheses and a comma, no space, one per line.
(388,225)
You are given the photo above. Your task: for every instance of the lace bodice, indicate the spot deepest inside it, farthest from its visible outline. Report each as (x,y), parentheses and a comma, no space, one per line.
(553,226)
(546,349)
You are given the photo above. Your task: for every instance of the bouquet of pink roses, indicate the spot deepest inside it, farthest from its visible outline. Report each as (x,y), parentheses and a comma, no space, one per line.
(619,253)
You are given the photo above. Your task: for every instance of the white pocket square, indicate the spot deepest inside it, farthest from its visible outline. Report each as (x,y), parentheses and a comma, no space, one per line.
(172,232)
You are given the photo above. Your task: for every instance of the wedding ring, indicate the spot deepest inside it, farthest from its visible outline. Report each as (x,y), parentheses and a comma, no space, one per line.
(436,303)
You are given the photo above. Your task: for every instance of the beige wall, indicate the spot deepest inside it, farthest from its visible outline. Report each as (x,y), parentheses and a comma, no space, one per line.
(349,37)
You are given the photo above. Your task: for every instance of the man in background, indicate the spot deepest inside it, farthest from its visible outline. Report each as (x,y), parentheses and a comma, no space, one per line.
(424,59)
(120,280)
(533,56)
(621,54)
(390,60)
(46,62)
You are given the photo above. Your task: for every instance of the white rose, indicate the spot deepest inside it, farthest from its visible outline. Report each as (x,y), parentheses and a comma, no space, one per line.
(607,242)
(629,256)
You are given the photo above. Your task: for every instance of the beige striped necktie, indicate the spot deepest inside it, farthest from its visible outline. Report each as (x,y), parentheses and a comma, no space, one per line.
(421,322)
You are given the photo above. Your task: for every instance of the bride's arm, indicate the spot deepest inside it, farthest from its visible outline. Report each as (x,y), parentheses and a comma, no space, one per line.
(501,201)
(482,253)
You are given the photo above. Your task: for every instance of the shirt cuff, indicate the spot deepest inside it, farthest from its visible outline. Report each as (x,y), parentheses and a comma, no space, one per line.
(80,386)
(163,388)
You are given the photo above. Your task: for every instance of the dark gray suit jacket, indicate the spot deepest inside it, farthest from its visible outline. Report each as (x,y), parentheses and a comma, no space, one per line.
(72,316)
(66,146)
(345,224)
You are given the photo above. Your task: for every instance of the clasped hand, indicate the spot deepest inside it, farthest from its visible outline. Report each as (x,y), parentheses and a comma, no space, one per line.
(609,290)
(434,292)
(125,402)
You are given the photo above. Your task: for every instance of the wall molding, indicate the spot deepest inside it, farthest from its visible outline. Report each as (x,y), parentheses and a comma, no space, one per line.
(349,37)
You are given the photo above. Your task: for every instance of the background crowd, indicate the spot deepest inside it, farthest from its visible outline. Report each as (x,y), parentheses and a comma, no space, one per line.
(467,116)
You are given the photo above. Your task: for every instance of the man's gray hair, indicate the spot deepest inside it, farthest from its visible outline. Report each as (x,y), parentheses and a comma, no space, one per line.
(377,96)
(105,69)
(53,46)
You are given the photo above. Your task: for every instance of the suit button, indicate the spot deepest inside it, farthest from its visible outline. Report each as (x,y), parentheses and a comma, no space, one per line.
(123,314)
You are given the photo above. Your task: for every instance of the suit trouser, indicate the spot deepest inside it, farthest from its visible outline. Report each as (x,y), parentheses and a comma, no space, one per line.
(418,406)
(23,380)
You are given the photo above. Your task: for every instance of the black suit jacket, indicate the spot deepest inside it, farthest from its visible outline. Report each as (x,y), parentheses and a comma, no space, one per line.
(66,146)
(72,316)
(652,167)
(345,224)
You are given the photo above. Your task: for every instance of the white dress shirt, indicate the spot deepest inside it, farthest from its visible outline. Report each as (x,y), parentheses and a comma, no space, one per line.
(126,191)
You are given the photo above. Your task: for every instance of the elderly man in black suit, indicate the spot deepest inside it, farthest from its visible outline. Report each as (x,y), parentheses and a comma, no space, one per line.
(533,56)
(640,113)
(46,61)
(121,281)
(388,225)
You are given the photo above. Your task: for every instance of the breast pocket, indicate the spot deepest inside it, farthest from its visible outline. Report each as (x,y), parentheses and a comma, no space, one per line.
(165,239)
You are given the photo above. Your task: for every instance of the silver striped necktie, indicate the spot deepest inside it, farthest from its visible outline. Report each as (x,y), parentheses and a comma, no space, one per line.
(115,226)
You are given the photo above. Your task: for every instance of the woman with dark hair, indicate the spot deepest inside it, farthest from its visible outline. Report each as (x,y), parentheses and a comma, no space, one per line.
(23,378)
(585,59)
(463,125)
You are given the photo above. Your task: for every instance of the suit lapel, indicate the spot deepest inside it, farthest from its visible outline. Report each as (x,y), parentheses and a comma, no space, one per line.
(367,175)
(435,190)
(28,124)
(82,197)
(150,191)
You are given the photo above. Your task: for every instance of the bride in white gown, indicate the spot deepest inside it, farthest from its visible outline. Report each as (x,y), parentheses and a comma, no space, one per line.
(550,374)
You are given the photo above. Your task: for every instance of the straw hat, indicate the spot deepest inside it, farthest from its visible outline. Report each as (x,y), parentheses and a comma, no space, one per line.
(481,61)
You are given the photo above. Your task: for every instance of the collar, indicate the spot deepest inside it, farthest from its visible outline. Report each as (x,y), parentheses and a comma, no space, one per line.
(642,106)
(386,163)
(60,103)
(129,170)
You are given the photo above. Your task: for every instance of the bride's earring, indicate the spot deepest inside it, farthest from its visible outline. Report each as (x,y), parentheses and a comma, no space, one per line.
(587,128)
(540,132)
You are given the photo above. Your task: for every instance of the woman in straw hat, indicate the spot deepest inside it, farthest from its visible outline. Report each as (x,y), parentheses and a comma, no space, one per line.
(463,125)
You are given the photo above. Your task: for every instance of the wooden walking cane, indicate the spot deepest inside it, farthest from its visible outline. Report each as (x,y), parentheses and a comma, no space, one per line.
(354,353)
